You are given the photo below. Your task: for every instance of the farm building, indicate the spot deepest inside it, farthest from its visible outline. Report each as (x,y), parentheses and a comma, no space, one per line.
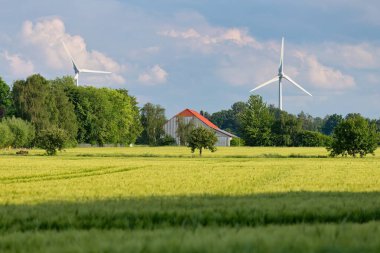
(188,115)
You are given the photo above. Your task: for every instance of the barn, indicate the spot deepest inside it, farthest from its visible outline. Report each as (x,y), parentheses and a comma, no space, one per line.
(188,115)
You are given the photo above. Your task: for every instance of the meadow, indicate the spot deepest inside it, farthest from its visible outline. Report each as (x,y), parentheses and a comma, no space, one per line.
(165,199)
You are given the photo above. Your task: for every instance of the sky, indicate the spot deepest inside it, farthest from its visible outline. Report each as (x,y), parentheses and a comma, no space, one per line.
(203,54)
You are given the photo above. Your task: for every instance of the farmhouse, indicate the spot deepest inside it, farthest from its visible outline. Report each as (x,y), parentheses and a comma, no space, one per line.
(188,115)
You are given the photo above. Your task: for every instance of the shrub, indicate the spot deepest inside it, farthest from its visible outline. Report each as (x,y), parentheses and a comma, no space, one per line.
(22,152)
(23,132)
(311,139)
(236,141)
(6,135)
(167,140)
(52,139)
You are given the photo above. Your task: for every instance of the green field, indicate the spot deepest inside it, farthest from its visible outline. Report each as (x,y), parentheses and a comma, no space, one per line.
(144,199)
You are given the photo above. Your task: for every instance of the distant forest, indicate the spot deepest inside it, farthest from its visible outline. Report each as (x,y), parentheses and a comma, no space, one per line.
(259,124)
(100,116)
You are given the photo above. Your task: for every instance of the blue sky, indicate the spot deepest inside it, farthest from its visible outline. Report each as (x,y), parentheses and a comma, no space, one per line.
(203,54)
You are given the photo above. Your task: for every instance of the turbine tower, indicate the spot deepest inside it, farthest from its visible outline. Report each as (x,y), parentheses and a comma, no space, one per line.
(279,78)
(77,70)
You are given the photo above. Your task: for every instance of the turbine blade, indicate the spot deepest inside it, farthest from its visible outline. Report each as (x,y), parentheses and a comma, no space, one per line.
(296,84)
(266,83)
(282,50)
(94,71)
(281,66)
(76,69)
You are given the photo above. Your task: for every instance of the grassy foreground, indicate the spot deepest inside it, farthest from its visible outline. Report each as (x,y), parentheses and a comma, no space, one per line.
(294,238)
(145,199)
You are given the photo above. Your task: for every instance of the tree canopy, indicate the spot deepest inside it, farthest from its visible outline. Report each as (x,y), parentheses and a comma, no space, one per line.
(52,139)
(153,120)
(331,121)
(256,121)
(201,138)
(5,99)
(86,114)
(354,136)
(228,119)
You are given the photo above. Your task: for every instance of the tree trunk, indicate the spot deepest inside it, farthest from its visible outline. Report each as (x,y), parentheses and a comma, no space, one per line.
(200,151)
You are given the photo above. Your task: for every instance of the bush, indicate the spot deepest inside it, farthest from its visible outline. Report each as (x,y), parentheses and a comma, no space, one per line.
(311,139)
(354,135)
(237,142)
(22,152)
(52,139)
(6,135)
(23,132)
(167,140)
(202,138)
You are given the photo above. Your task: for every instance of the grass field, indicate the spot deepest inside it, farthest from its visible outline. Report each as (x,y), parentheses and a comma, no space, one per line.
(144,199)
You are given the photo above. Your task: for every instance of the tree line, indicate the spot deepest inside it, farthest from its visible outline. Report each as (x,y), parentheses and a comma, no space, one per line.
(259,124)
(37,112)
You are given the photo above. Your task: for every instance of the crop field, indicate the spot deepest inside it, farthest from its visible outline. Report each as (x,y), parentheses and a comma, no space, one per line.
(144,199)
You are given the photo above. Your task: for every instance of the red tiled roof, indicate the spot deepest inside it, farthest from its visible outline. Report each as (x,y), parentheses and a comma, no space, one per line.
(189,113)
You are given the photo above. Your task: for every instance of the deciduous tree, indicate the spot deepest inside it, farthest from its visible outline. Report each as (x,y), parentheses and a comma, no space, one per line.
(153,120)
(201,138)
(5,99)
(331,121)
(52,139)
(256,121)
(33,101)
(353,136)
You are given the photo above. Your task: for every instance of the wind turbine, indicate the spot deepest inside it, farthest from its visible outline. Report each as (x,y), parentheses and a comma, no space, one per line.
(78,70)
(279,78)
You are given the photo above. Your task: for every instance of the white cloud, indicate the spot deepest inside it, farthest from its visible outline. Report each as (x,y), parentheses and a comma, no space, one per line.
(19,67)
(326,77)
(243,60)
(215,36)
(46,36)
(357,56)
(247,61)
(189,34)
(254,67)
(155,75)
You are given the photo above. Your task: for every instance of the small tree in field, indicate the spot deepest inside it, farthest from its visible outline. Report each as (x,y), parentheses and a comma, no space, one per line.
(354,135)
(202,138)
(52,139)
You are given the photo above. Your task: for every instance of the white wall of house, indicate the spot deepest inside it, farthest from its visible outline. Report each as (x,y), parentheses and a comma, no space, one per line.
(171,128)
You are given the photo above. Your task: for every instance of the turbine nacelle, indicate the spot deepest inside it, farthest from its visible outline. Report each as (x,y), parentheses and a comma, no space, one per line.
(279,78)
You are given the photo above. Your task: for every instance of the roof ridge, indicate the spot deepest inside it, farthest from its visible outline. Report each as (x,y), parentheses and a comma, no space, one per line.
(200,117)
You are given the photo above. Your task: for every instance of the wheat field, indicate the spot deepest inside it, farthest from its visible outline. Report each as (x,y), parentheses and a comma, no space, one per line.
(165,199)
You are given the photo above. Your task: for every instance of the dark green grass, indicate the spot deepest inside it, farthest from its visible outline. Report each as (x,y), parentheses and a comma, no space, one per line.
(194,211)
(149,155)
(291,238)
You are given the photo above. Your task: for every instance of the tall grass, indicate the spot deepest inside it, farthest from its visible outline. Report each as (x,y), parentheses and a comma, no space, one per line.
(194,211)
(272,239)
